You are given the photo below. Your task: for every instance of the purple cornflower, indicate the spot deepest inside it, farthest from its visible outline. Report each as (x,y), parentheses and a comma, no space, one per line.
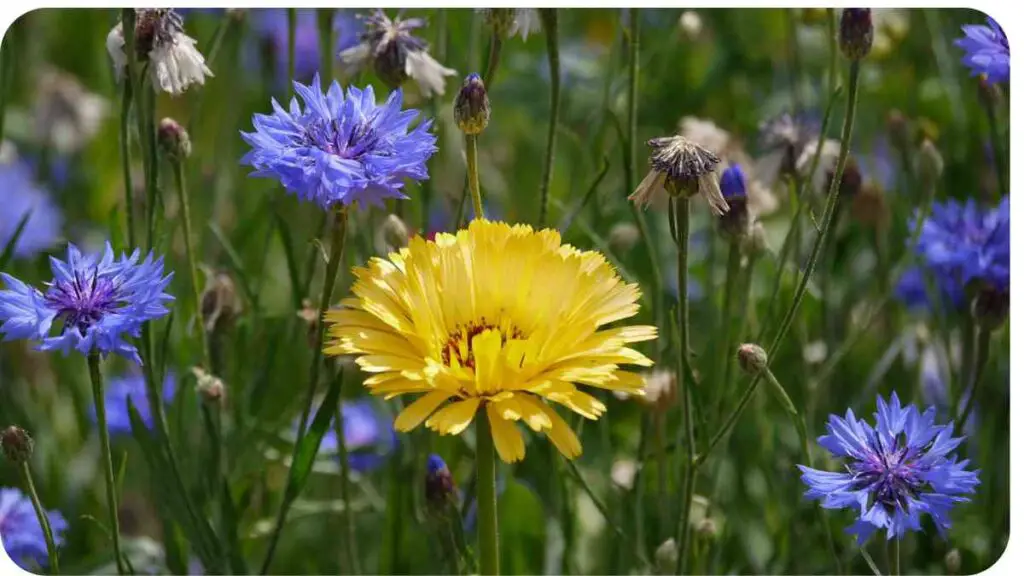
(964,243)
(986,50)
(132,387)
(369,437)
(21,533)
(22,196)
(341,148)
(98,300)
(896,470)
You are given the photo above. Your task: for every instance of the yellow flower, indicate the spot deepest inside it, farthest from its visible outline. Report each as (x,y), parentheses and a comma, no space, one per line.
(496,317)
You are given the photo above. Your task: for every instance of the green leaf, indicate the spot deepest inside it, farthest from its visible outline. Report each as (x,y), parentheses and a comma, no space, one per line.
(115,228)
(229,529)
(309,444)
(8,252)
(523,530)
(293,267)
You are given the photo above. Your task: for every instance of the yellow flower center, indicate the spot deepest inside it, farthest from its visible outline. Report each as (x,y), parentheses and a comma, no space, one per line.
(458,348)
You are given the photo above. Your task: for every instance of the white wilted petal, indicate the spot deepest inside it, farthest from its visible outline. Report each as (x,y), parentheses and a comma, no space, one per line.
(177,65)
(429,74)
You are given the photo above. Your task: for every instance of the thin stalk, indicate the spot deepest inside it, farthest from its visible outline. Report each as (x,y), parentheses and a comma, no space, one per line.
(350,554)
(871,563)
(190,255)
(968,338)
(682,220)
(493,58)
(638,486)
(126,162)
(44,520)
(796,73)
(997,147)
(7,60)
(980,360)
(486,498)
(108,463)
(833,196)
(338,233)
(549,17)
(473,176)
(292,19)
(894,558)
(724,354)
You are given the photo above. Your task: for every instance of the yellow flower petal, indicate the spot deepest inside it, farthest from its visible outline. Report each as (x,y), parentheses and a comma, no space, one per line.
(420,409)
(560,434)
(454,418)
(508,441)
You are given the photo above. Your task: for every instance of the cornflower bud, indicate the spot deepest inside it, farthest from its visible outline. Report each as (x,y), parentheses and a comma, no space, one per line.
(752,358)
(869,207)
(472,107)
(173,140)
(756,242)
(16,444)
(708,528)
(734,225)
(856,32)
(438,484)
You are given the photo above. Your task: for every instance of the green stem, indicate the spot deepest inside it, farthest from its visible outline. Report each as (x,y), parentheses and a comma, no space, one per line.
(638,486)
(338,234)
(126,162)
(6,74)
(681,205)
(486,498)
(44,520)
(108,463)
(350,554)
(493,59)
(725,329)
(324,21)
(968,337)
(190,255)
(833,196)
(980,360)
(473,176)
(796,74)
(997,147)
(292,19)
(549,17)
(871,563)
(894,558)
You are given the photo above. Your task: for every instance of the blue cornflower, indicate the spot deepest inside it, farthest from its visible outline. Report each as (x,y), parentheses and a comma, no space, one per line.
(99,301)
(898,470)
(22,196)
(21,532)
(912,290)
(341,148)
(439,486)
(733,182)
(964,243)
(369,437)
(131,387)
(986,50)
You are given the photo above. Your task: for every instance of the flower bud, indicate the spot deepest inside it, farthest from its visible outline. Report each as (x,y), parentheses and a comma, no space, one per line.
(856,32)
(391,236)
(209,387)
(929,163)
(869,207)
(953,561)
(898,128)
(438,484)
(472,107)
(16,444)
(220,303)
(708,528)
(623,237)
(665,557)
(752,358)
(991,307)
(173,140)
(734,225)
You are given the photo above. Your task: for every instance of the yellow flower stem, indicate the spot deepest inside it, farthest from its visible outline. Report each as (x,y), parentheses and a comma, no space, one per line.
(44,520)
(681,204)
(473,174)
(486,498)
(338,234)
(108,463)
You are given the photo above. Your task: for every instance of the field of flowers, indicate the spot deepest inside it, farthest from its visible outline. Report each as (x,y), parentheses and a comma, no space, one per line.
(522,291)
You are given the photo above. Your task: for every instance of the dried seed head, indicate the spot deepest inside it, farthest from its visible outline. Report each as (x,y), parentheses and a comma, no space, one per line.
(680,166)
(16,444)
(472,107)
(756,242)
(752,358)
(155,26)
(209,387)
(220,303)
(851,181)
(898,128)
(173,140)
(856,33)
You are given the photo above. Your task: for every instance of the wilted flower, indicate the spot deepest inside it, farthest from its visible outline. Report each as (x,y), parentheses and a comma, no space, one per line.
(680,166)
(897,470)
(986,50)
(341,148)
(16,444)
(220,302)
(965,243)
(20,532)
(98,300)
(511,21)
(66,115)
(395,54)
(23,197)
(494,318)
(131,387)
(822,176)
(174,62)
(391,236)
(783,140)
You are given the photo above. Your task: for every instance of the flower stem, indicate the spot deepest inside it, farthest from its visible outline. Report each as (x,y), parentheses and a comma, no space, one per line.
(719,376)
(473,174)
(7,59)
(190,255)
(44,520)
(126,162)
(980,359)
(682,219)
(493,59)
(549,17)
(292,18)
(894,557)
(108,464)
(325,33)
(486,498)
(338,234)
(350,554)
(830,210)
(997,148)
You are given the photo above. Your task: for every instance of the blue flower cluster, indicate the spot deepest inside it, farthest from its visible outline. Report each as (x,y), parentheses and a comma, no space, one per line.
(23,197)
(896,471)
(99,300)
(21,533)
(986,50)
(369,437)
(340,148)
